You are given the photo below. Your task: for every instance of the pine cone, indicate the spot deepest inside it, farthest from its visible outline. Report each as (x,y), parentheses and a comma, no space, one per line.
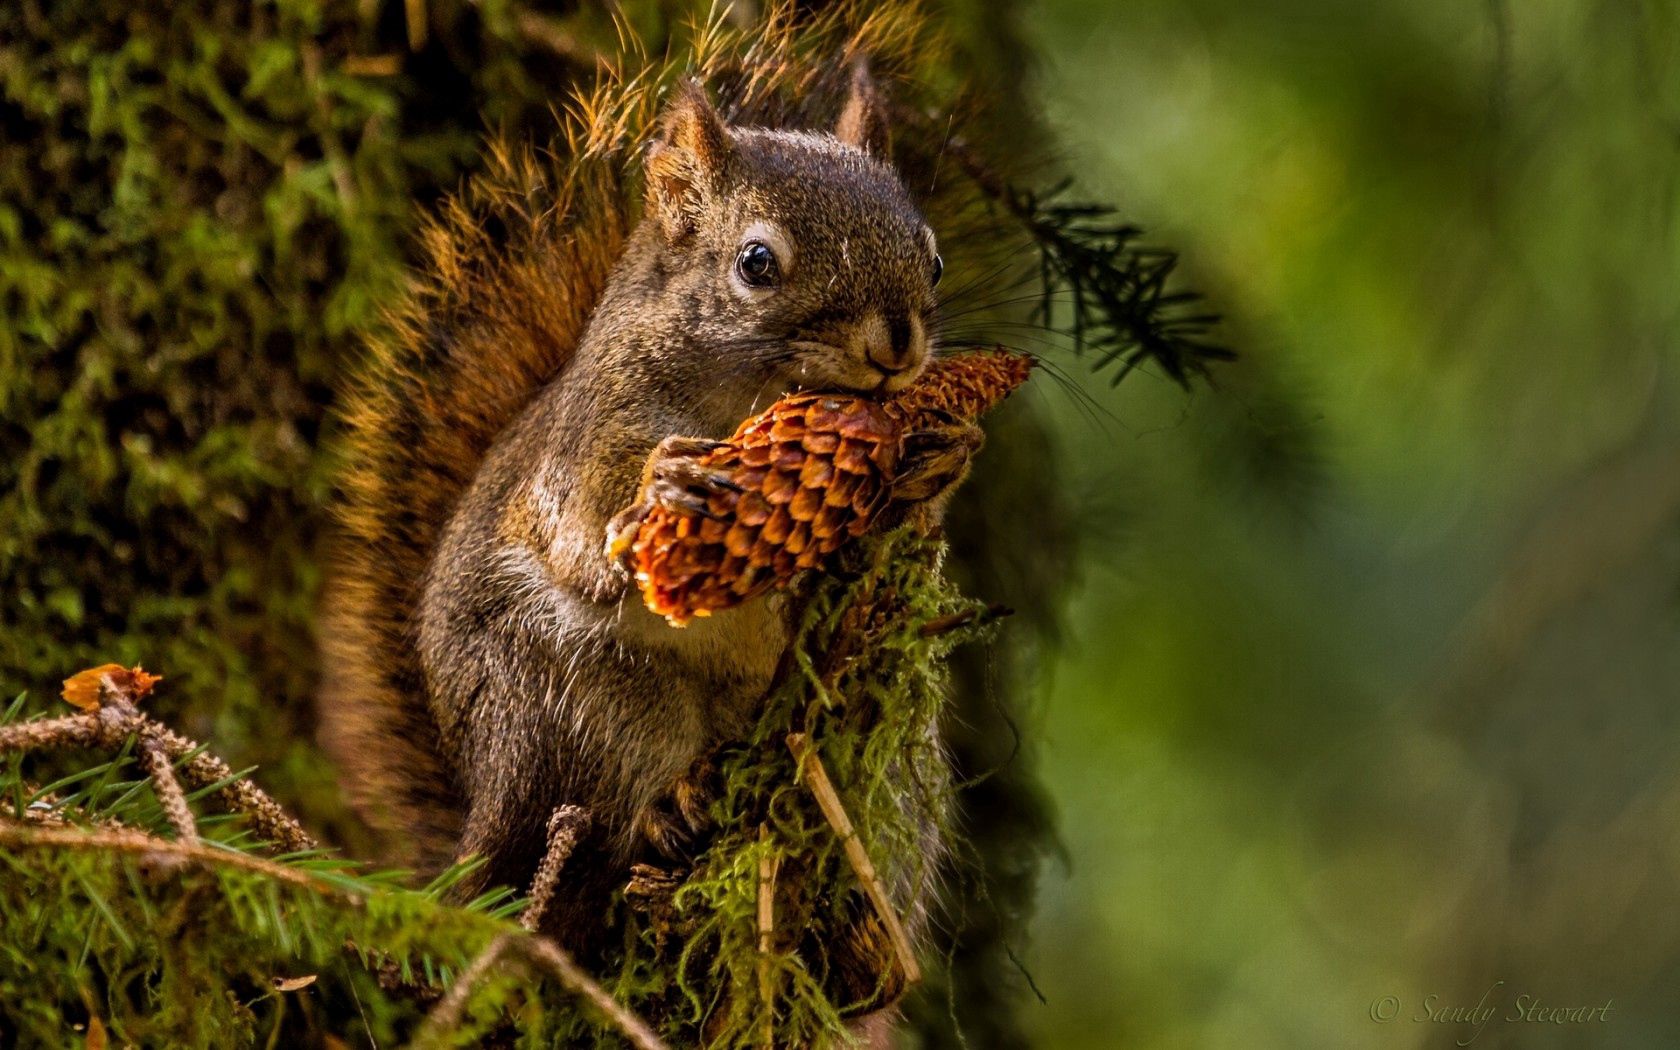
(813,471)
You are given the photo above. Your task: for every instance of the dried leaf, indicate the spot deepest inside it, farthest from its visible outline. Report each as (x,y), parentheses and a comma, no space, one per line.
(96,1034)
(83,689)
(140,683)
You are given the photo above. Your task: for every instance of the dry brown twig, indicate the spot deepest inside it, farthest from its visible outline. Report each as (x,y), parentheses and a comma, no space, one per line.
(769,863)
(446,1016)
(141,844)
(566,826)
(552,959)
(156,762)
(419,22)
(828,800)
(560,965)
(203,769)
(372,65)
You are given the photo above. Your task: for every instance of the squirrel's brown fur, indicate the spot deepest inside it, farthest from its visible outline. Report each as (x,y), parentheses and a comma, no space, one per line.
(546,346)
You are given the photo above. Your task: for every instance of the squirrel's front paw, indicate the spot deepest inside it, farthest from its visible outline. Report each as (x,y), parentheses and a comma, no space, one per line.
(677,476)
(934,461)
(675,823)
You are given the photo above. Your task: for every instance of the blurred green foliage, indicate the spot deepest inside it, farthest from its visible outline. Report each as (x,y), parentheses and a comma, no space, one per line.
(1370,691)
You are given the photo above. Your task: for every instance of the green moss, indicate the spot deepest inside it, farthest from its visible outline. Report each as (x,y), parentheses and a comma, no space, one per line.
(867,687)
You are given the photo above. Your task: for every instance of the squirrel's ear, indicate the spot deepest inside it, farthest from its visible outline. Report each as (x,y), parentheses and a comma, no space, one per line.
(863,120)
(685,163)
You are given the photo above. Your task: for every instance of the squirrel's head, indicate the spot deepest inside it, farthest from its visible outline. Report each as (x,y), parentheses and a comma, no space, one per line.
(799,256)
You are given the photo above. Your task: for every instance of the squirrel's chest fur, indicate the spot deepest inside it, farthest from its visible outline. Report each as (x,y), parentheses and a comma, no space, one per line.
(549,682)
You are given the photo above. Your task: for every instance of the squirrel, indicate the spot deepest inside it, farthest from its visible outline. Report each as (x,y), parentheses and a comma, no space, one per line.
(486,663)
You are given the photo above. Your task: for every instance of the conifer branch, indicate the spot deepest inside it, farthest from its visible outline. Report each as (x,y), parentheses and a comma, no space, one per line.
(566,826)
(1121,309)
(109,696)
(155,760)
(48,734)
(201,769)
(190,849)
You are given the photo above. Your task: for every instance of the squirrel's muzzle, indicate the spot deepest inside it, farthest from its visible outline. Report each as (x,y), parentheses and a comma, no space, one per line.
(894,345)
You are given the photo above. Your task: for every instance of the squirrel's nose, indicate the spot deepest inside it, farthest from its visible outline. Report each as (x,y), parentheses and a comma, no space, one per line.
(896,346)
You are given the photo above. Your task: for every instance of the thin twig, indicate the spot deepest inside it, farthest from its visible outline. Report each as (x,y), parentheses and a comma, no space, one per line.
(68,731)
(160,747)
(446,1016)
(338,163)
(267,818)
(117,717)
(952,621)
(769,863)
(155,759)
(565,827)
(828,800)
(553,958)
(139,843)
(372,65)
(414,13)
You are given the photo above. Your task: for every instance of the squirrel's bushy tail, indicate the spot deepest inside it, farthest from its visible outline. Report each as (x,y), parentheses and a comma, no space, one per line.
(512,267)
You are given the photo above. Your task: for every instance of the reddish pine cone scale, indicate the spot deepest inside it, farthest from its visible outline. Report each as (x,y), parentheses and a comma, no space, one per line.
(814,470)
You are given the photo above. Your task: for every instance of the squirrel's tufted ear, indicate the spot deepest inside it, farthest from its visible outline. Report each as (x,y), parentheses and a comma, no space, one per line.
(863,120)
(686,161)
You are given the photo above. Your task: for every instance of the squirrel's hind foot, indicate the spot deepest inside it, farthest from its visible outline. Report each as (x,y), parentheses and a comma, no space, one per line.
(675,824)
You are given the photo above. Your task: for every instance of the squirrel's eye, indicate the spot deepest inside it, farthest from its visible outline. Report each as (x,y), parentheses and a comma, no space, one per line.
(756,265)
(938,269)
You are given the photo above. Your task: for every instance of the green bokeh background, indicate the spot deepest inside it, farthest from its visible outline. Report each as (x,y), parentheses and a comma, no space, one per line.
(1371,685)
(1368,686)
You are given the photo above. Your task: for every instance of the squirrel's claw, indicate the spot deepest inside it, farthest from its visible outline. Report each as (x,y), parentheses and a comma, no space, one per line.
(675,823)
(674,476)
(621,531)
(677,475)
